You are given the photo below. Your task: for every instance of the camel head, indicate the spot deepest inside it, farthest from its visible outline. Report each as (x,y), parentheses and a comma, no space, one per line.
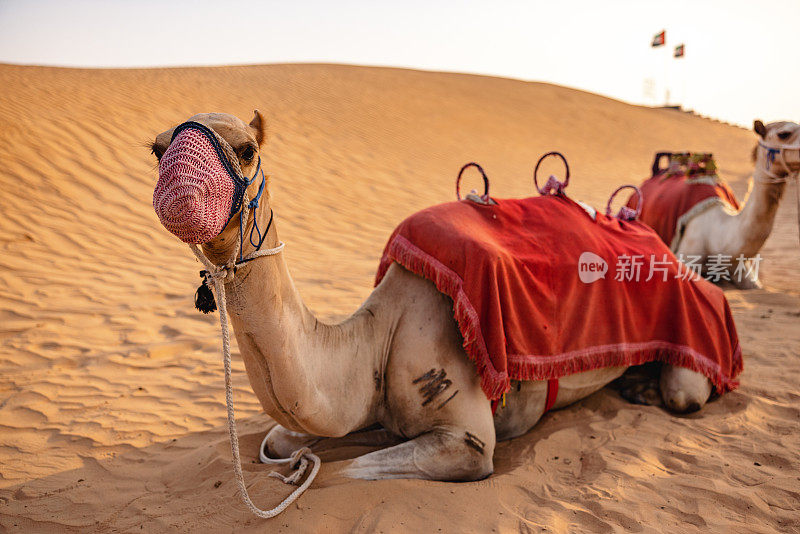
(777,135)
(204,165)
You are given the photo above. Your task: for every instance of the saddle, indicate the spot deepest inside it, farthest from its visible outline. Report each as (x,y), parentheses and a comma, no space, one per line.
(679,192)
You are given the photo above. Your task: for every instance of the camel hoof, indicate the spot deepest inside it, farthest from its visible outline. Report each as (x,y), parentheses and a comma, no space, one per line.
(645,394)
(639,385)
(747,283)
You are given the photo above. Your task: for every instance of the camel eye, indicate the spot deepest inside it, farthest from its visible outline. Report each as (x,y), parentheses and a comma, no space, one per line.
(783,136)
(248,153)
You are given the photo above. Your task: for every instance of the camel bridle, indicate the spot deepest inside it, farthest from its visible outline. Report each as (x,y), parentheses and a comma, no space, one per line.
(777,153)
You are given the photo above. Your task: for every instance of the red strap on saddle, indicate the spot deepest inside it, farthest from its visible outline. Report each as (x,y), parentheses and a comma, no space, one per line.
(552,393)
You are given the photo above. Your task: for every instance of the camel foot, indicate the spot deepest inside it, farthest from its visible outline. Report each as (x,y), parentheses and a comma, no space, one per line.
(747,278)
(683,390)
(281,442)
(747,283)
(639,385)
(441,454)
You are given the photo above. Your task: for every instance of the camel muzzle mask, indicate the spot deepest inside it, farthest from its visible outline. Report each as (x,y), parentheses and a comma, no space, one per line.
(200,185)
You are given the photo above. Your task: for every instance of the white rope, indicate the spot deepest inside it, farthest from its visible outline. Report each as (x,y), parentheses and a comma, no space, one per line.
(299,460)
(265,252)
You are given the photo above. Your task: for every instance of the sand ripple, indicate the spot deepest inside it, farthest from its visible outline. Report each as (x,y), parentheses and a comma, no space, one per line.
(111,397)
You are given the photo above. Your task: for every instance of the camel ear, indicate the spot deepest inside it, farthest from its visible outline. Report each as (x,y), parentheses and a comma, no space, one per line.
(258,124)
(760,129)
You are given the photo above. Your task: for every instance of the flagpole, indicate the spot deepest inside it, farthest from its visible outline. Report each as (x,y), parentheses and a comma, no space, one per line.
(679,56)
(665,63)
(660,41)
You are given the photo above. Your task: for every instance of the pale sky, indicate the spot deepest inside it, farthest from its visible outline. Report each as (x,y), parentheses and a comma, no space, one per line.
(742,56)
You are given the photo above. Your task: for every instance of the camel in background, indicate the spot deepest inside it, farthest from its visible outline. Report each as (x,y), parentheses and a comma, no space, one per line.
(722,231)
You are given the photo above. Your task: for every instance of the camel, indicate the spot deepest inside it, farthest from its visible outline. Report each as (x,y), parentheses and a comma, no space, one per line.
(368,377)
(719,230)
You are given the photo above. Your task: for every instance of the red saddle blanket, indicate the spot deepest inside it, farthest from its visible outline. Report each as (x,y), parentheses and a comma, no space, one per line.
(538,291)
(670,201)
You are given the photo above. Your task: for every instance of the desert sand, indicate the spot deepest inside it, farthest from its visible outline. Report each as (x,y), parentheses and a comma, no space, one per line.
(111,391)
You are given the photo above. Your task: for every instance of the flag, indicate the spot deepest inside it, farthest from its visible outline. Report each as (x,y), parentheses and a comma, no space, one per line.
(660,38)
(679,51)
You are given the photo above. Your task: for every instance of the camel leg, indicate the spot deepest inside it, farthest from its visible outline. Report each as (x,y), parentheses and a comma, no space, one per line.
(683,390)
(441,454)
(282,442)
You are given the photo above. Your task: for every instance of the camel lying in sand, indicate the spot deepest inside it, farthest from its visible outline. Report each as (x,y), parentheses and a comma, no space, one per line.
(719,230)
(320,380)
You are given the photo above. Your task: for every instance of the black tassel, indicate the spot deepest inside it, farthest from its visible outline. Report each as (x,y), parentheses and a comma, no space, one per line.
(204,297)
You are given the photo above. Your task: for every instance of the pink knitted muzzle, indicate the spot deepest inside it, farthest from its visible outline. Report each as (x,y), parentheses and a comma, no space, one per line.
(194,193)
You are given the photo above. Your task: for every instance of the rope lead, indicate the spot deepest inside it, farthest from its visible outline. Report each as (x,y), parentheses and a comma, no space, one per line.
(217,276)
(304,453)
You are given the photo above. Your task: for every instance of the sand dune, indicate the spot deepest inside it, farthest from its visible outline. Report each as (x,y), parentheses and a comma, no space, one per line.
(111,393)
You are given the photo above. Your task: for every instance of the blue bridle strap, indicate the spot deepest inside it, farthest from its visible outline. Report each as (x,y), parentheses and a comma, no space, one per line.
(771,153)
(252,205)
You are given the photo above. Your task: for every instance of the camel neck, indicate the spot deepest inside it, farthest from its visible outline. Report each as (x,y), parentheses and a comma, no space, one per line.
(302,370)
(755,220)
